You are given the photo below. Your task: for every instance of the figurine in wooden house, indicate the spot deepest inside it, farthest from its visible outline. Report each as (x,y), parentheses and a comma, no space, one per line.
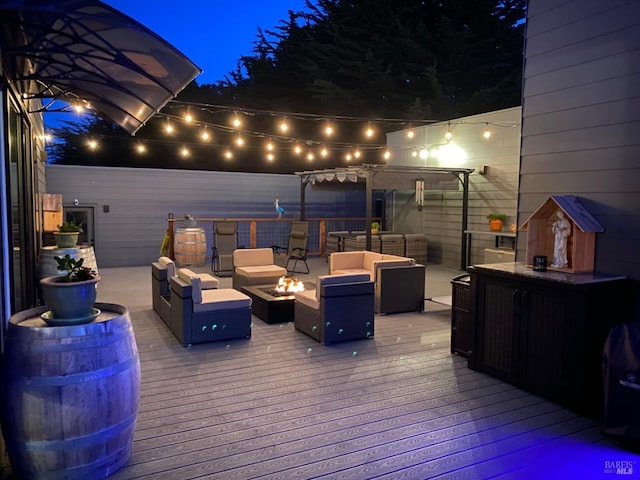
(564,231)
(561,229)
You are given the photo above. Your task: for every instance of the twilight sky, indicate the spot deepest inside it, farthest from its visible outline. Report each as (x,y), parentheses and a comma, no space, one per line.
(211,33)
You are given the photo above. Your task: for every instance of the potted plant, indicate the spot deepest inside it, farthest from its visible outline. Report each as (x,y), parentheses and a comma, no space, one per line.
(189,221)
(496,221)
(67,234)
(70,296)
(375,228)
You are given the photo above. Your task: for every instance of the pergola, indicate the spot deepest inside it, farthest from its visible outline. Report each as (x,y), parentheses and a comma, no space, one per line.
(390,177)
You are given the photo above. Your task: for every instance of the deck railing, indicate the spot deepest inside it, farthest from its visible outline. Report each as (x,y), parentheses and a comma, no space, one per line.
(269,232)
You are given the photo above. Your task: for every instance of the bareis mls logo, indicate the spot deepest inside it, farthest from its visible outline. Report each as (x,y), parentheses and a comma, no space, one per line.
(619,467)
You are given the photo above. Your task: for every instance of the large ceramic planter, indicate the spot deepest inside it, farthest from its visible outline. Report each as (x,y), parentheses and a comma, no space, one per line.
(66,239)
(69,302)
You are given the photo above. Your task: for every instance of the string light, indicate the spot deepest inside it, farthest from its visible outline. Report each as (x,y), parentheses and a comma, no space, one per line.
(411,134)
(310,156)
(487,133)
(205,135)
(348,157)
(449,134)
(93,144)
(140,148)
(228,154)
(168,127)
(269,146)
(328,130)
(324,152)
(387,155)
(270,157)
(236,122)
(188,118)
(239,141)
(284,127)
(369,132)
(184,152)
(297,149)
(357,153)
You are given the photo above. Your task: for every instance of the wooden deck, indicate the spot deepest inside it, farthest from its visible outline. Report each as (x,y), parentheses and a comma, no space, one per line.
(399,406)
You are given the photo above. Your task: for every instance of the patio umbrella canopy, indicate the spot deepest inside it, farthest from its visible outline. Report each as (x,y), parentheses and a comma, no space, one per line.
(84,50)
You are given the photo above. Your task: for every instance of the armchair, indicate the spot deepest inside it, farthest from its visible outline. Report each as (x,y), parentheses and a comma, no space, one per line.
(338,310)
(255,266)
(161,272)
(206,315)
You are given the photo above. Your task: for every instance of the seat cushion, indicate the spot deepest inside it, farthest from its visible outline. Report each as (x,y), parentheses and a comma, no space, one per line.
(261,271)
(222,299)
(354,271)
(308,298)
(244,257)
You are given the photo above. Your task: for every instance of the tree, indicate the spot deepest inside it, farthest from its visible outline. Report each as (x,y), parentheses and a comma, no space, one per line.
(417,60)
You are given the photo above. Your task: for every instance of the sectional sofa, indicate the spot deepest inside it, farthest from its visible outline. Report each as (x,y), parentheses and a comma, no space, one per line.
(399,281)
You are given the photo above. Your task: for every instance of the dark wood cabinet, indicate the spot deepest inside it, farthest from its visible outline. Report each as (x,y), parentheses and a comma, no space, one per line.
(544,331)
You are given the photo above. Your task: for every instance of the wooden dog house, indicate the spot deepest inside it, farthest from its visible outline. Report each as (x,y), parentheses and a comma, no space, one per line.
(581,243)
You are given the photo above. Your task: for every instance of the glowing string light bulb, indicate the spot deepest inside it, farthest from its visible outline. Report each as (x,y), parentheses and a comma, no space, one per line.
(348,157)
(387,155)
(324,152)
(328,130)
(270,157)
(236,122)
(205,135)
(140,148)
(357,154)
(188,117)
(487,133)
(240,141)
(297,149)
(310,156)
(411,134)
(449,134)
(78,108)
(168,128)
(284,127)
(184,152)
(93,144)
(228,154)
(269,146)
(369,132)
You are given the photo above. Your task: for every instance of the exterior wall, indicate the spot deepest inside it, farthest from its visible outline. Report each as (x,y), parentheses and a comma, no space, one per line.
(494,191)
(581,118)
(138,201)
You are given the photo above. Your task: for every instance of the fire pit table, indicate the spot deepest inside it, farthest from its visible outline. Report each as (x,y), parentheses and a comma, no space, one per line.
(272,306)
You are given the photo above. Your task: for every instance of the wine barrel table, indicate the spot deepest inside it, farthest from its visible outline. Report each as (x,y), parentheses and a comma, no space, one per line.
(71,394)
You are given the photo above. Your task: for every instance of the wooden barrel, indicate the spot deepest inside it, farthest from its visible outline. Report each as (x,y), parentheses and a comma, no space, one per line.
(71,394)
(190,246)
(47,266)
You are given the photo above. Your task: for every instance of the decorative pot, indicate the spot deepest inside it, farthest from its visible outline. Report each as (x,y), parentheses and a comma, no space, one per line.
(69,302)
(190,223)
(495,225)
(374,231)
(66,239)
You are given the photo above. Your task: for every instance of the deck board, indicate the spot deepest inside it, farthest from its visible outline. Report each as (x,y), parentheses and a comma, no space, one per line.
(398,406)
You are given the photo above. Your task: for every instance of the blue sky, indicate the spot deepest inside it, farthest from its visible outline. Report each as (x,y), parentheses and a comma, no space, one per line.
(211,33)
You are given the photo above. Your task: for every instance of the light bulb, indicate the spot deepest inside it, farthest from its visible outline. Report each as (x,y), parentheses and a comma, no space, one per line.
(310,156)
(424,154)
(205,135)
(487,133)
(141,148)
(297,149)
(270,157)
(284,127)
(269,146)
(168,128)
(348,157)
(188,118)
(448,135)
(236,122)
(228,155)
(324,152)
(387,155)
(356,154)
(411,134)
(93,144)
(369,132)
(240,141)
(184,152)
(328,130)
(414,153)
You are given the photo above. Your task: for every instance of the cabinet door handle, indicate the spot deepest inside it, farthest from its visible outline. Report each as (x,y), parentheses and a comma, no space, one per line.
(515,301)
(525,297)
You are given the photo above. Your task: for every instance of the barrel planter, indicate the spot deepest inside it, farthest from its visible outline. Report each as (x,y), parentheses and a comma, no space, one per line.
(47,266)
(190,247)
(71,393)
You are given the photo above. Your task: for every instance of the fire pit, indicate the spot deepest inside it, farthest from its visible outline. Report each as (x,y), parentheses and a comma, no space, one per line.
(274,303)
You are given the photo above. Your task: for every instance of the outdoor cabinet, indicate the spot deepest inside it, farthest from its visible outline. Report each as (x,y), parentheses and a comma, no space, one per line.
(545,331)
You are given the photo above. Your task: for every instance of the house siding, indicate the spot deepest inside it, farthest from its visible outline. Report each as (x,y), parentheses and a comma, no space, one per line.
(139,201)
(580,119)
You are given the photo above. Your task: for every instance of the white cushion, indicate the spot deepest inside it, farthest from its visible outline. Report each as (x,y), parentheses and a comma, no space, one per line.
(243,257)
(262,271)
(354,271)
(207,281)
(221,299)
(169,264)
(308,298)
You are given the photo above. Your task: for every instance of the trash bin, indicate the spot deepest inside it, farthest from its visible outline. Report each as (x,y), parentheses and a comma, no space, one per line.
(621,369)
(461,331)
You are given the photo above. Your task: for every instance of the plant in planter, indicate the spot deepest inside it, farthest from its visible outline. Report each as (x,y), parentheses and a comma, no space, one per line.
(189,221)
(496,221)
(67,234)
(71,295)
(375,228)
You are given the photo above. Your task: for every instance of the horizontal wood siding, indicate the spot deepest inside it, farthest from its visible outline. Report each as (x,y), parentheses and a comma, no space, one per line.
(139,200)
(581,119)
(496,191)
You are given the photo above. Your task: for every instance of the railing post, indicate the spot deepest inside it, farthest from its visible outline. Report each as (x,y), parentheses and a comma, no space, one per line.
(253,233)
(322,229)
